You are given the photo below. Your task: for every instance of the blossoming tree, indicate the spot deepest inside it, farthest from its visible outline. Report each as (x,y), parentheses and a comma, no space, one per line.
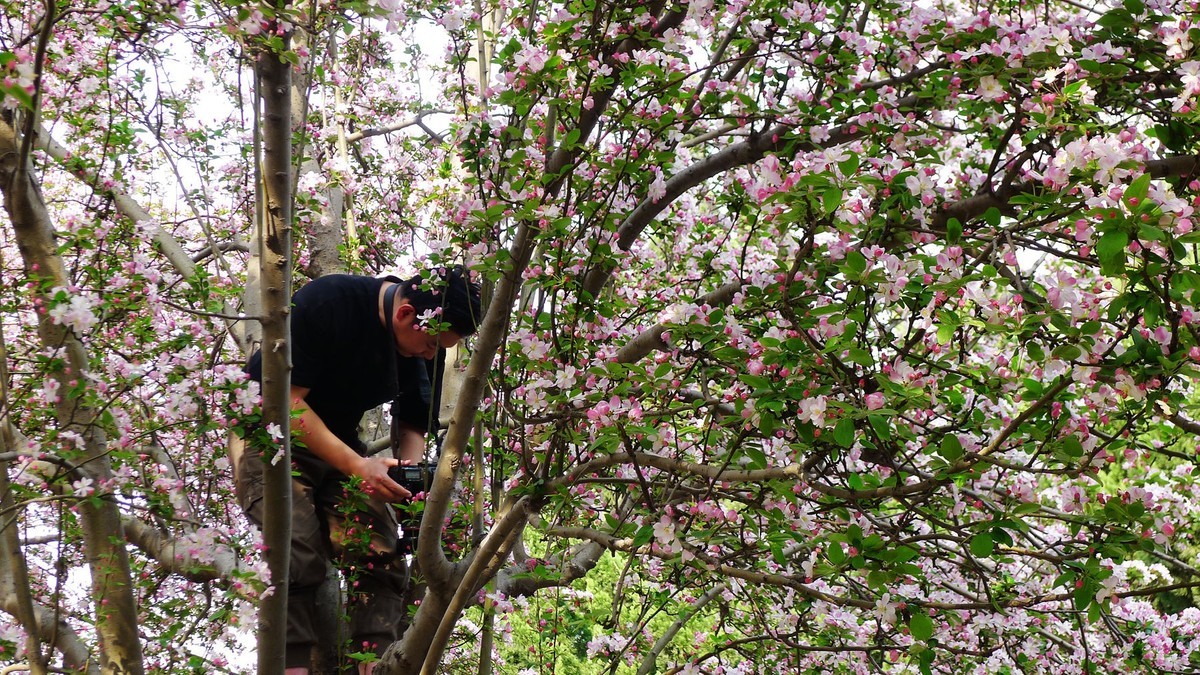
(848,336)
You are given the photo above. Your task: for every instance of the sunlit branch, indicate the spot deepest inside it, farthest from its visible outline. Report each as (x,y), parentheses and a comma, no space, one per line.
(575,565)
(734,644)
(224,247)
(54,629)
(1190,426)
(651,339)
(14,564)
(959,467)
(708,472)
(745,152)
(484,563)
(974,207)
(416,120)
(167,244)
(180,557)
(649,661)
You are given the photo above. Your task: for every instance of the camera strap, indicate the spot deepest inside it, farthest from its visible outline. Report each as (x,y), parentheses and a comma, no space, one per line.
(389,302)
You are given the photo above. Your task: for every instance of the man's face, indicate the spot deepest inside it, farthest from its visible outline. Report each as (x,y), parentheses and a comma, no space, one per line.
(412,339)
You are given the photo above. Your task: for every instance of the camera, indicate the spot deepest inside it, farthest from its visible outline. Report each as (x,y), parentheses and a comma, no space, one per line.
(413,477)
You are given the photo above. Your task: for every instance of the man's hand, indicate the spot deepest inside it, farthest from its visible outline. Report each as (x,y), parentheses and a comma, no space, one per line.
(324,444)
(377,483)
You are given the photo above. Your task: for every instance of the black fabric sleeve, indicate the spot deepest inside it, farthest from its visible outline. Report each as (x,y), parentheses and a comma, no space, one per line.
(315,323)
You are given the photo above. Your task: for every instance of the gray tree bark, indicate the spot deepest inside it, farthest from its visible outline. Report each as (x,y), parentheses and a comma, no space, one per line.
(273,77)
(103,536)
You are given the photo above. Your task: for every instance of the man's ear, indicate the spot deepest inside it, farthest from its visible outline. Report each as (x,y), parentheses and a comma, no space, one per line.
(404,311)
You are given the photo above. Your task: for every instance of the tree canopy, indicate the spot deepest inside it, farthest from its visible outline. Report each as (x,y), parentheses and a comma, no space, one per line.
(836,336)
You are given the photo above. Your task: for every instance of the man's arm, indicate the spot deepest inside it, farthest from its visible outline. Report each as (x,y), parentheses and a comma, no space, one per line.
(323,443)
(410,443)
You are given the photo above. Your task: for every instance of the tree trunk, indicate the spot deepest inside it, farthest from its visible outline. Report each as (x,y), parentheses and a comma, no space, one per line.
(103,538)
(273,79)
(15,578)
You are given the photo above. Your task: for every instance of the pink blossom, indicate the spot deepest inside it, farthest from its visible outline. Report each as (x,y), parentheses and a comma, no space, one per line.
(1073,498)
(885,609)
(658,187)
(990,89)
(812,410)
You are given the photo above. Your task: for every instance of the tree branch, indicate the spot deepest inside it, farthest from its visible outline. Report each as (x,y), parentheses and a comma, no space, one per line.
(416,120)
(54,629)
(651,340)
(512,583)
(746,152)
(974,207)
(170,248)
(178,556)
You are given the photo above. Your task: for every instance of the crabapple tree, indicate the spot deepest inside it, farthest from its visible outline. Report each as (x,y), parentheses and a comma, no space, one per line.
(844,336)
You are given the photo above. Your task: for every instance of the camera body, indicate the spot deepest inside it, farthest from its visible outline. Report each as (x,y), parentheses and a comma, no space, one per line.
(416,478)
(413,477)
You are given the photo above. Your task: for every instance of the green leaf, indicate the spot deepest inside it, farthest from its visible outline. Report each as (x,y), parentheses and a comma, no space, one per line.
(571,139)
(1137,191)
(1149,232)
(643,536)
(954,230)
(992,216)
(950,449)
(1111,251)
(982,545)
(836,555)
(861,356)
(857,262)
(777,552)
(18,92)
(1026,509)
(1072,447)
(1116,20)
(1035,351)
(832,199)
(877,579)
(921,626)
(1001,536)
(1067,352)
(843,433)
(758,382)
(880,424)
(945,332)
(926,664)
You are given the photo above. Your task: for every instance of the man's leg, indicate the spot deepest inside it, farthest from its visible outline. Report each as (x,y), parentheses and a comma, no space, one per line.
(309,560)
(365,542)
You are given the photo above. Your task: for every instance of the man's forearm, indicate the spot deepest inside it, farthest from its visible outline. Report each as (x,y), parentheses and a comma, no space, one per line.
(323,443)
(410,444)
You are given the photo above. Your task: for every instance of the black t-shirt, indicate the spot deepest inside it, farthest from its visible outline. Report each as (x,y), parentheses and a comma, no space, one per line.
(343,354)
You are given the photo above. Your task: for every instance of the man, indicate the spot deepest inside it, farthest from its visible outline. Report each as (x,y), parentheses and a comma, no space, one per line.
(357,342)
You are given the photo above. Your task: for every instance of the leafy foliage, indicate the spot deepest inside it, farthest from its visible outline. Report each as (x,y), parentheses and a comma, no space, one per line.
(824,336)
